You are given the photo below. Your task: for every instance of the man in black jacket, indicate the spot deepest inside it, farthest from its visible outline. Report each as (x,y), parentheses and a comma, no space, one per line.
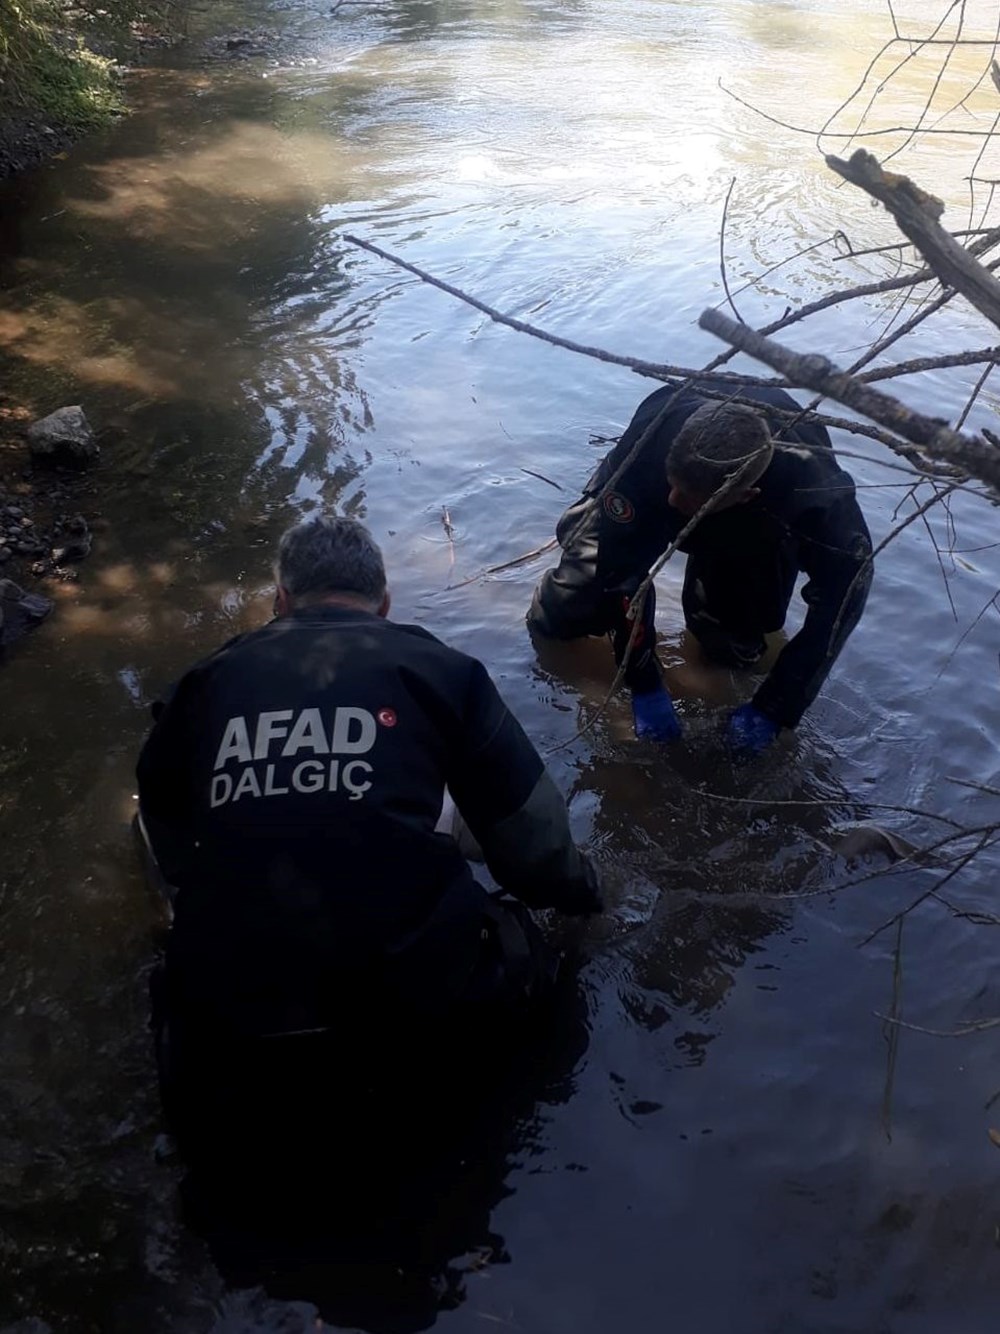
(787,507)
(292,785)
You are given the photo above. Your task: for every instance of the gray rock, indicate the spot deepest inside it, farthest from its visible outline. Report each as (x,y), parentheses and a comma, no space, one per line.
(19,611)
(63,436)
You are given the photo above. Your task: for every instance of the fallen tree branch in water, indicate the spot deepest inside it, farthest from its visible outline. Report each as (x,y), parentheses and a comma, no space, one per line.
(666,370)
(973,454)
(522,326)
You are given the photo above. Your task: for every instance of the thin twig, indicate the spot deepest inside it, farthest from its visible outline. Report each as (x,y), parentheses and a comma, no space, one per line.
(851,253)
(522,326)
(542,478)
(969,782)
(992,601)
(920,364)
(722,253)
(853,134)
(980,383)
(880,87)
(508,564)
(940,560)
(978,1026)
(860,802)
(892,1036)
(984,842)
(450,534)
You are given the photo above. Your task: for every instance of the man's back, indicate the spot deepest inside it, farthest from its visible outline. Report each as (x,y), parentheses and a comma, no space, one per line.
(305,764)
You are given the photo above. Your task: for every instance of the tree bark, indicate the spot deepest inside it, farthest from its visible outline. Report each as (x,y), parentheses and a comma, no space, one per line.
(974,454)
(917,215)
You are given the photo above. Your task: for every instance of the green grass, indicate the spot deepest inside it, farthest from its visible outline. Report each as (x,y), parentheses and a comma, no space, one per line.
(46,69)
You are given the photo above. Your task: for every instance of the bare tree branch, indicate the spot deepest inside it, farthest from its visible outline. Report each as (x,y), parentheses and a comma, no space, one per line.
(522,326)
(920,364)
(917,215)
(974,454)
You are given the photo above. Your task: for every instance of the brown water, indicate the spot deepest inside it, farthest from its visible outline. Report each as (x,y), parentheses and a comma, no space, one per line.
(714,1150)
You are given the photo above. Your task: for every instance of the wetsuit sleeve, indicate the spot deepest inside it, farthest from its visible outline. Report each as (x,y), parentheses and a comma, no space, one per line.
(163,772)
(513,808)
(835,552)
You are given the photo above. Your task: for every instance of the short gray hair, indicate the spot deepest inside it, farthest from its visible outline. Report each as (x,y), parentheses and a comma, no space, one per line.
(718,440)
(331,555)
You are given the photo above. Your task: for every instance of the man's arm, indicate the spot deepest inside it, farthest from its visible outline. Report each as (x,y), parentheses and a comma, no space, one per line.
(164,782)
(513,808)
(836,555)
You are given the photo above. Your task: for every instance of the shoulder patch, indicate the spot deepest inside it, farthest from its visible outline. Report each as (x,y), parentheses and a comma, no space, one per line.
(618,507)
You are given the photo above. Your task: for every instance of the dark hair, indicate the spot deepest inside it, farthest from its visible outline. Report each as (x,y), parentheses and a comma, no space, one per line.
(331,555)
(716,441)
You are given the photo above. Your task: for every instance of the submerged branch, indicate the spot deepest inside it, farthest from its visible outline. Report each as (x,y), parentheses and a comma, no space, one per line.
(977,1026)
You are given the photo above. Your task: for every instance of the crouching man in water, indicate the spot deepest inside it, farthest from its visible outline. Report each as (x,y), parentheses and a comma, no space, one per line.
(793,509)
(291,787)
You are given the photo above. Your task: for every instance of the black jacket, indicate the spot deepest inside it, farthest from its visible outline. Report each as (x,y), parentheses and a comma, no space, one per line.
(292,784)
(806,505)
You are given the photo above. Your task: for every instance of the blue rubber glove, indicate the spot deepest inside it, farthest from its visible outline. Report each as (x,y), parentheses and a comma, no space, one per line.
(655,717)
(749,731)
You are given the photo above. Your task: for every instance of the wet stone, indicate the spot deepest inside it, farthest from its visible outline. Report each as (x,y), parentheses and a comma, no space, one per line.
(64,436)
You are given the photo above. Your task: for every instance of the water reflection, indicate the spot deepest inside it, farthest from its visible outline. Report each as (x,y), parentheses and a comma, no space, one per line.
(419,20)
(699,849)
(207,243)
(377,1210)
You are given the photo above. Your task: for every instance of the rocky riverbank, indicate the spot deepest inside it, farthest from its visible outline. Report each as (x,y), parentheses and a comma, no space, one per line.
(47,516)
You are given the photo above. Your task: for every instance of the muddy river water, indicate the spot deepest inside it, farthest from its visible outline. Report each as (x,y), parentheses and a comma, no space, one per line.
(728,1142)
